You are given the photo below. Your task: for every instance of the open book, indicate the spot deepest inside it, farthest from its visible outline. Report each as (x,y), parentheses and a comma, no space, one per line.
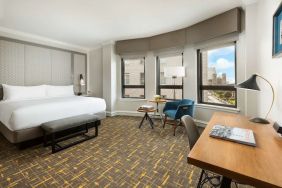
(239,135)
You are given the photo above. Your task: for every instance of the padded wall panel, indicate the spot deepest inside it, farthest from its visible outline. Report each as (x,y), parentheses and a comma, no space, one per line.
(79,67)
(11,63)
(61,68)
(37,65)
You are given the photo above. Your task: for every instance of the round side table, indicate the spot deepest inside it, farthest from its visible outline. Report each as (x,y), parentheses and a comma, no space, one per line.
(157,102)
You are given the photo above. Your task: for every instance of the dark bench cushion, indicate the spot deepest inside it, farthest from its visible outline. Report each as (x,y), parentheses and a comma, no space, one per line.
(67,123)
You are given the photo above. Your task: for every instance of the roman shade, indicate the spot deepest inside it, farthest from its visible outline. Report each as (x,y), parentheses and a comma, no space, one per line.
(223,24)
(133,45)
(168,40)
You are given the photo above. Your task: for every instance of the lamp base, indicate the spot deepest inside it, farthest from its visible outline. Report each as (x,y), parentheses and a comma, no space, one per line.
(259,120)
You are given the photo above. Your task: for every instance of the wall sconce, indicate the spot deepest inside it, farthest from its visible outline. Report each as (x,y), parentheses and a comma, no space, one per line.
(81,83)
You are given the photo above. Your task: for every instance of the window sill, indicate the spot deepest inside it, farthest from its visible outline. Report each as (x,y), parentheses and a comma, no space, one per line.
(220,108)
(132,100)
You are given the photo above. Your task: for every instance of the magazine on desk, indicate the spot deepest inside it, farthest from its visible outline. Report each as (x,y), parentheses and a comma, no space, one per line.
(239,135)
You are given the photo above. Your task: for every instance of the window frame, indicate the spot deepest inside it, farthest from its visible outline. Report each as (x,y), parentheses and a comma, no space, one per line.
(123,86)
(201,87)
(159,86)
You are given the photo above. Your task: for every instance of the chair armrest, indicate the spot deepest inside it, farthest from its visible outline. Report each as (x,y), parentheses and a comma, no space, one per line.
(182,111)
(171,105)
(185,105)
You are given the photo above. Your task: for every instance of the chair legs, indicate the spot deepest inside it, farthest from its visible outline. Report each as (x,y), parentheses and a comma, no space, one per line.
(165,119)
(200,179)
(175,124)
(213,180)
(174,127)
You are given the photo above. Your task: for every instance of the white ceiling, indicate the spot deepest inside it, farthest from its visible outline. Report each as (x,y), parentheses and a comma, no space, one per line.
(89,23)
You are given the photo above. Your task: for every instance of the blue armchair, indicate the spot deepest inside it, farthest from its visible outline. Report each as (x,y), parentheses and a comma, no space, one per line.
(176,109)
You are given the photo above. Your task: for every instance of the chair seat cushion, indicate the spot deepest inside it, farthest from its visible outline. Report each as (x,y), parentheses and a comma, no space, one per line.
(170,113)
(67,123)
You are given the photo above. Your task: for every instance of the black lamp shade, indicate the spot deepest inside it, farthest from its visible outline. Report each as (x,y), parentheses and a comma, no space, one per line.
(251,83)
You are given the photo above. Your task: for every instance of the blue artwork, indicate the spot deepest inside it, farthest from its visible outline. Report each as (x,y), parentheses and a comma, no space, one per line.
(277,32)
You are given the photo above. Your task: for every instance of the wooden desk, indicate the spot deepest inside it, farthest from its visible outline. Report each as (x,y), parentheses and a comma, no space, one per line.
(258,166)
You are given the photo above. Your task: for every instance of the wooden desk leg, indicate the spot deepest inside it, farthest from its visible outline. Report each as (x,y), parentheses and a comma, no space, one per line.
(225,183)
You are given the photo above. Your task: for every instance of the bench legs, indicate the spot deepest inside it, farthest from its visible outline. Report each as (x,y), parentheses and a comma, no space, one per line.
(44,139)
(54,141)
(96,130)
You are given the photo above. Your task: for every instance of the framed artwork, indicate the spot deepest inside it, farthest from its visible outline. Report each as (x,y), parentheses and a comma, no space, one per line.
(277,33)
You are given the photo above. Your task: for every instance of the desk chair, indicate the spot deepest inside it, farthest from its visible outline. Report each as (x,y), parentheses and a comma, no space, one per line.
(176,109)
(193,136)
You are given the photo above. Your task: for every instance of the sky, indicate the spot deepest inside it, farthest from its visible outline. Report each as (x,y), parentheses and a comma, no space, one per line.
(223,59)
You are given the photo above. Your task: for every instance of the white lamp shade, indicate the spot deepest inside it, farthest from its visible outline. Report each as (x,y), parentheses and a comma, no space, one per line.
(174,72)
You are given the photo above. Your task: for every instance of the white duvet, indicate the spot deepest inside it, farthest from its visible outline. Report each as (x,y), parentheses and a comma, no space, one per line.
(22,114)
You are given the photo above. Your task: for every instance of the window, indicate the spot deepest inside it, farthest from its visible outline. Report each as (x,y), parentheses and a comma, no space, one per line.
(165,85)
(126,78)
(142,78)
(133,78)
(217,76)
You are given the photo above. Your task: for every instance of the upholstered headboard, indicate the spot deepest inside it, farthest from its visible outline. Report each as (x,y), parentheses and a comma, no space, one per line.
(1,92)
(28,64)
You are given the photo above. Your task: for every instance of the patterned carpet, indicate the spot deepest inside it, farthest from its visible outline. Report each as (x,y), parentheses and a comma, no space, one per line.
(121,156)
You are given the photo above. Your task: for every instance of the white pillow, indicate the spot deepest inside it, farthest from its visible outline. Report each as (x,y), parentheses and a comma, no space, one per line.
(59,91)
(23,92)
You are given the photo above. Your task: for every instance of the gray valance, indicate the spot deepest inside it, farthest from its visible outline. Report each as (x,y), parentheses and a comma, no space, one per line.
(223,24)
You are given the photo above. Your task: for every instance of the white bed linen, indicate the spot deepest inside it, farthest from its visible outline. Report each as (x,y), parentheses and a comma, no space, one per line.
(23,114)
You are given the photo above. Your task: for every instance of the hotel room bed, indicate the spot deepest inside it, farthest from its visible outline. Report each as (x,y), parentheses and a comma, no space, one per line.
(21,119)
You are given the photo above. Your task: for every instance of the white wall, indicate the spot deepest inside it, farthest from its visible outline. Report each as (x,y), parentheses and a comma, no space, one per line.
(109,74)
(9,33)
(250,57)
(96,72)
(269,67)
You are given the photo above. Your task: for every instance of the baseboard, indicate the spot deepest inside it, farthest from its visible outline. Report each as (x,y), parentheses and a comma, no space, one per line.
(199,123)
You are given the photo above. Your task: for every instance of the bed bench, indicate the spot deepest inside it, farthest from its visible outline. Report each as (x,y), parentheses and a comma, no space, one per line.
(63,129)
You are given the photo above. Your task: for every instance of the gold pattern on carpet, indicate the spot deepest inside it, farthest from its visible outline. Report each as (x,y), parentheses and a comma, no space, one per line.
(121,156)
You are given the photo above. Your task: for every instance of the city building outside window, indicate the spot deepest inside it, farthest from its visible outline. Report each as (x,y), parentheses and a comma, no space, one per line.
(217,76)
(133,78)
(127,78)
(165,86)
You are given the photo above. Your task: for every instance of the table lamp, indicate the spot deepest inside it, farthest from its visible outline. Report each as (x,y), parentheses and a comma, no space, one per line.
(251,84)
(174,72)
(81,83)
